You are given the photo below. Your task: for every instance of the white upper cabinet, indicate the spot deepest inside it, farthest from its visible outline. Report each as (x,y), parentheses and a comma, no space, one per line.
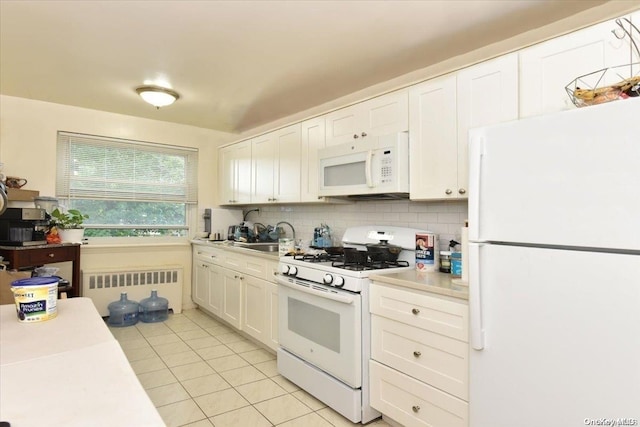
(276,166)
(547,68)
(312,139)
(487,95)
(383,115)
(441,112)
(234,184)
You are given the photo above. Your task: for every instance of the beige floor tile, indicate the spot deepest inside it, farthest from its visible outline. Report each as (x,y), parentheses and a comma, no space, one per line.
(380,423)
(166,394)
(147,365)
(198,343)
(163,339)
(281,409)
(214,352)
(218,330)
(226,363)
(220,402)
(201,423)
(269,368)
(184,326)
(134,343)
(171,348)
(259,391)
(285,383)
(156,378)
(257,356)
(192,370)
(134,354)
(194,334)
(247,416)
(207,323)
(183,358)
(308,400)
(244,375)
(205,385)
(309,420)
(126,333)
(242,346)
(335,418)
(230,337)
(181,413)
(153,329)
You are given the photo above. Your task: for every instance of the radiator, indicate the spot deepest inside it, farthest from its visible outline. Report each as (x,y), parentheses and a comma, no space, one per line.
(105,286)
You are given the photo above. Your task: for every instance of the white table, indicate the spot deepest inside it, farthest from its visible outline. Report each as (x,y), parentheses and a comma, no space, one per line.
(68,371)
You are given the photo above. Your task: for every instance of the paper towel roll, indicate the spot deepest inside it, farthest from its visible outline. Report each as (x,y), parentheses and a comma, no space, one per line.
(464,245)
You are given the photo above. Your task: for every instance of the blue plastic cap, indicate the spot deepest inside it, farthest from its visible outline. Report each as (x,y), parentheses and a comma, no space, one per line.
(35,281)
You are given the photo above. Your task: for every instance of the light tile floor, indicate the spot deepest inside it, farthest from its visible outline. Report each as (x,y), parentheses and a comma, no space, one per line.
(200,373)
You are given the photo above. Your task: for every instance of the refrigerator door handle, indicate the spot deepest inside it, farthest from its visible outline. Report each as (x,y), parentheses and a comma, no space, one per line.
(475,298)
(476,154)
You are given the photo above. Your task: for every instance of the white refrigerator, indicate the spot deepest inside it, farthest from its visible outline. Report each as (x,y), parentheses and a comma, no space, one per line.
(554,269)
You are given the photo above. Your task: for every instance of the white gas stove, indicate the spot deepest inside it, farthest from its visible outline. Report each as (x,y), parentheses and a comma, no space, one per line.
(324,326)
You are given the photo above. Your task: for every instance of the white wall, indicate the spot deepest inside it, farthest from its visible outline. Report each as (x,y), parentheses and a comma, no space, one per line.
(28,132)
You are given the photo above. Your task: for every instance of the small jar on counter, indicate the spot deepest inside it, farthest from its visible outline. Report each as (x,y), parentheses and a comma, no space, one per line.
(445,262)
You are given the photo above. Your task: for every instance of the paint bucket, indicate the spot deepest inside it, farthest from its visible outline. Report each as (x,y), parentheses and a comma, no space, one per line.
(36,298)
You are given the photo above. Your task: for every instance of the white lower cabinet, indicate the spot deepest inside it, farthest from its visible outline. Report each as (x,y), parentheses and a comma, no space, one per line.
(419,367)
(239,289)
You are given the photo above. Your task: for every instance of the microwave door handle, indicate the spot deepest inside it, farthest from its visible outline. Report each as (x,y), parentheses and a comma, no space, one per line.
(368,166)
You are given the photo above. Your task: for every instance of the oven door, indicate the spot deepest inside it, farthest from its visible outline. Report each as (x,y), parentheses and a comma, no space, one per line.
(322,326)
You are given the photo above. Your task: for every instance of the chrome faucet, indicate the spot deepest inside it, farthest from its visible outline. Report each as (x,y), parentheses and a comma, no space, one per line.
(292,229)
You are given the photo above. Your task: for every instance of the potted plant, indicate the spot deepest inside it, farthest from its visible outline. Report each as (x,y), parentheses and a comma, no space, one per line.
(69,224)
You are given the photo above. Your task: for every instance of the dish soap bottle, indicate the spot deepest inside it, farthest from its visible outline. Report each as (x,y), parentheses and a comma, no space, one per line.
(123,312)
(154,308)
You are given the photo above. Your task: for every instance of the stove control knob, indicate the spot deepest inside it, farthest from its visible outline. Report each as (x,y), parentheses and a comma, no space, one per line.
(293,270)
(284,269)
(327,279)
(339,282)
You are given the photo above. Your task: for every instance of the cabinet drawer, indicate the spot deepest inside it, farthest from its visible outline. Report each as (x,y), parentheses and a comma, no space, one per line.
(413,403)
(433,358)
(49,255)
(253,266)
(208,255)
(421,310)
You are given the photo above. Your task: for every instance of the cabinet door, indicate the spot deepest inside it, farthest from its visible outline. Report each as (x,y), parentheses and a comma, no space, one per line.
(272,307)
(286,180)
(433,139)
(487,94)
(343,124)
(546,68)
(386,114)
(262,154)
(232,297)
(216,291)
(200,288)
(226,175)
(312,139)
(254,315)
(243,172)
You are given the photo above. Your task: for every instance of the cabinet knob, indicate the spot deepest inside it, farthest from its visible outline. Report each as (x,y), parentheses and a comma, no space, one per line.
(462,191)
(415,311)
(356,136)
(52,255)
(448,191)
(363,134)
(415,408)
(417,353)
(230,201)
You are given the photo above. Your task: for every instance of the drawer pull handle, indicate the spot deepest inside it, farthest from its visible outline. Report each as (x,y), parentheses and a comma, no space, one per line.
(52,255)
(417,353)
(415,408)
(415,311)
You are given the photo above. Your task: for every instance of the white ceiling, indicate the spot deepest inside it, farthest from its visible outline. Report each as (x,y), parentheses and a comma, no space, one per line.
(241,64)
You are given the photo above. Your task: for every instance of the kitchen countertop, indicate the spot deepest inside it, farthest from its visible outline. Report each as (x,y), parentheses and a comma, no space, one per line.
(437,283)
(225,245)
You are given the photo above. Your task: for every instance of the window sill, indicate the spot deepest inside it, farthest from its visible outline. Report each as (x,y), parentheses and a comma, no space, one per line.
(90,246)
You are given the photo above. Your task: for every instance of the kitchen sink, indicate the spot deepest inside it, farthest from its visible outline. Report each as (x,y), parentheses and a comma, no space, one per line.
(261,246)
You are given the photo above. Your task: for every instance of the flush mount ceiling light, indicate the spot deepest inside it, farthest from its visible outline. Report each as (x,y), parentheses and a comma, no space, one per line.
(157,96)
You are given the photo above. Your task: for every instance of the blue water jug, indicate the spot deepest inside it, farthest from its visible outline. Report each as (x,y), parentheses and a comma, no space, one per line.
(123,312)
(154,308)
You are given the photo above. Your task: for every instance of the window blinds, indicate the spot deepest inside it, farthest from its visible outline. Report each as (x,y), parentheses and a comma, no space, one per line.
(94,167)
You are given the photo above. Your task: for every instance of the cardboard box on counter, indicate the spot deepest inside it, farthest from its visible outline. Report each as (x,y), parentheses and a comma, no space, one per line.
(6,278)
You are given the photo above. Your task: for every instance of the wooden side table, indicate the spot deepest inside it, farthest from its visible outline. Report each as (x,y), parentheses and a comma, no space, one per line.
(23,257)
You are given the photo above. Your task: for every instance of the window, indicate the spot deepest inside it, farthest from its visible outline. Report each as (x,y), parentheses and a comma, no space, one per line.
(128,188)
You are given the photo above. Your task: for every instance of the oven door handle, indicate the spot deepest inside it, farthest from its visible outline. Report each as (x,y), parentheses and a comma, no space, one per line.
(345,299)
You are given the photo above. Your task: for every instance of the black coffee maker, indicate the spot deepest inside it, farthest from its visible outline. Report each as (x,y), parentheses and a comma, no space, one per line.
(23,227)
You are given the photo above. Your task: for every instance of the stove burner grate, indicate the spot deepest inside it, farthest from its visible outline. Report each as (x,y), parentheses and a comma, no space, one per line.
(369,265)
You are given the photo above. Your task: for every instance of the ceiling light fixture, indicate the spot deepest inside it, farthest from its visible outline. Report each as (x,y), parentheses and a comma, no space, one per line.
(157,96)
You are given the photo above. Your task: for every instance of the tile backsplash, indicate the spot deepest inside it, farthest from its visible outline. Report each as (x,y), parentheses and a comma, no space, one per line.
(443,218)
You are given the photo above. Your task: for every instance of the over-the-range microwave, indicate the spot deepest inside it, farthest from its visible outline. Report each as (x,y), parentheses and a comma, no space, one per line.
(373,167)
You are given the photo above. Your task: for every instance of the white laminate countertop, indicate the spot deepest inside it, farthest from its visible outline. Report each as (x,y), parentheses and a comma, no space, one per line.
(437,283)
(68,371)
(225,245)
